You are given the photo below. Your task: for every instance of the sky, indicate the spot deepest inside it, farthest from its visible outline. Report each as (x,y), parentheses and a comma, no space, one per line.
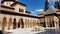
(35,6)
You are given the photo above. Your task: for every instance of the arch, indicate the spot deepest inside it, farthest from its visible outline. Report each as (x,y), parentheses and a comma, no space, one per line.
(50,23)
(4,23)
(22,23)
(59,22)
(53,23)
(26,23)
(19,23)
(10,23)
(44,23)
(14,23)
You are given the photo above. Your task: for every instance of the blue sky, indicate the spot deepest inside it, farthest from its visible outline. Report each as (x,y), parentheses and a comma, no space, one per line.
(35,6)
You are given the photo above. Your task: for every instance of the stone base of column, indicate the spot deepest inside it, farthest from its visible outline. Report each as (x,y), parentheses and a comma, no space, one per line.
(6,28)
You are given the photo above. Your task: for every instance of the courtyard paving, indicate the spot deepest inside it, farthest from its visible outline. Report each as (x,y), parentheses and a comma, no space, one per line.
(50,31)
(28,31)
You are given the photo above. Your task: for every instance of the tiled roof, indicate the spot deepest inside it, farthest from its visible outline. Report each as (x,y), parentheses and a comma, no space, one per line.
(27,12)
(7,7)
(15,2)
(7,0)
(18,3)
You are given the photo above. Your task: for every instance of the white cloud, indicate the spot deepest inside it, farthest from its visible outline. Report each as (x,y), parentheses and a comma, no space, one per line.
(52,7)
(48,0)
(37,11)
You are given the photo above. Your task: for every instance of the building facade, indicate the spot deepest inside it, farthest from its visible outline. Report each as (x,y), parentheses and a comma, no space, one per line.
(13,15)
(51,16)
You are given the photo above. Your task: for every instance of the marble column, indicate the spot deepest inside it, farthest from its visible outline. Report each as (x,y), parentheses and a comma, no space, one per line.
(7,21)
(31,23)
(34,23)
(52,22)
(12,24)
(1,24)
(28,24)
(55,24)
(46,21)
(58,23)
(17,23)
(25,23)
(6,27)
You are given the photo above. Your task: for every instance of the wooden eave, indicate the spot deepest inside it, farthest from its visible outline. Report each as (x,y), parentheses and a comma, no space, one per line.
(7,7)
(17,14)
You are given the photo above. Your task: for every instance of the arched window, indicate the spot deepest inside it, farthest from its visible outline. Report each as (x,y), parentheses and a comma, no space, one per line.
(10,23)
(4,23)
(14,23)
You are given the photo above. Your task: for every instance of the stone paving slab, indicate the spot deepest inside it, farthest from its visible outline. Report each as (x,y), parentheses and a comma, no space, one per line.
(50,31)
(28,31)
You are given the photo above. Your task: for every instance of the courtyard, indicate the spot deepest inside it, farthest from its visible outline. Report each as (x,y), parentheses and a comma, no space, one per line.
(17,18)
(29,31)
(51,31)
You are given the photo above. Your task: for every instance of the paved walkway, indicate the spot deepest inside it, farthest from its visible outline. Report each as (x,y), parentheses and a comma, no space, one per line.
(28,31)
(50,31)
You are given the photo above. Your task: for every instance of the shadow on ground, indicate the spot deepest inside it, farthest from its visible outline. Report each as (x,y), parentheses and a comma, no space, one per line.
(3,32)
